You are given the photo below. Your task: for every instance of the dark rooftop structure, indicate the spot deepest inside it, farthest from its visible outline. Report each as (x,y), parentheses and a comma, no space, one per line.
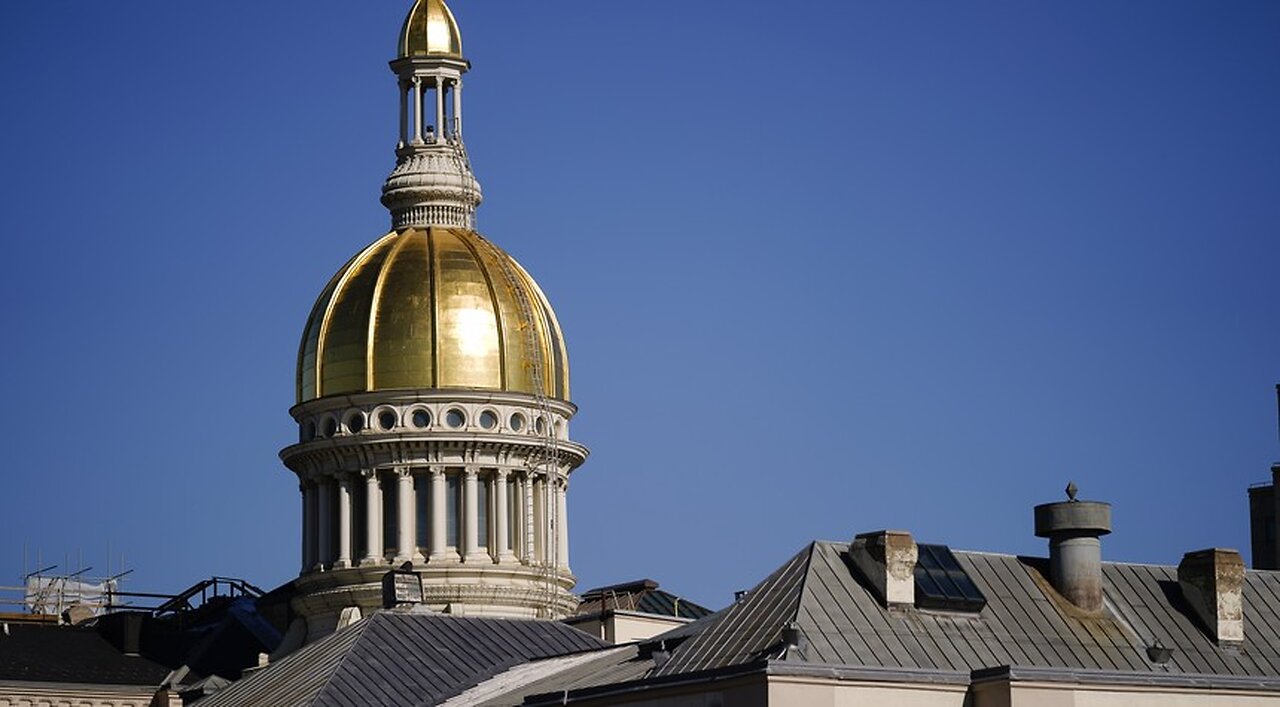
(71,654)
(643,596)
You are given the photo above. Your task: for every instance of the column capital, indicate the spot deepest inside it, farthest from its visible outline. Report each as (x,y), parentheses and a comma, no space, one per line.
(501,474)
(403,471)
(369,474)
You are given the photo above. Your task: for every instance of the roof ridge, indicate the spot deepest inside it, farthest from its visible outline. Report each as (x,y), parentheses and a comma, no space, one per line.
(358,628)
(739,632)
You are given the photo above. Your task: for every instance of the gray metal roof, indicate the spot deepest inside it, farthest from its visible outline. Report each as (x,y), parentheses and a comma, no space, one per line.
(1025,623)
(403,659)
(1025,628)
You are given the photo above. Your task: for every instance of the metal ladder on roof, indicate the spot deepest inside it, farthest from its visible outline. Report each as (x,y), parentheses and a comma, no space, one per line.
(548,456)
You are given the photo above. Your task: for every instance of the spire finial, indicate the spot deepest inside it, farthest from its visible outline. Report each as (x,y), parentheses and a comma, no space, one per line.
(1072,490)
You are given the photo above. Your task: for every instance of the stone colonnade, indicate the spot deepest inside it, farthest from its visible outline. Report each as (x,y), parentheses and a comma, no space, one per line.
(436,514)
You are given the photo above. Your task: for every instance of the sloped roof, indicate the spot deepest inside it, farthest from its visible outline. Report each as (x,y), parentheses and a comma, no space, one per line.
(603,667)
(74,654)
(1025,629)
(402,660)
(1025,623)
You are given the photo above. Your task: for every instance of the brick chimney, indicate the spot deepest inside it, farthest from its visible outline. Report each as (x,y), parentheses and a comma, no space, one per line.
(887,558)
(1212,582)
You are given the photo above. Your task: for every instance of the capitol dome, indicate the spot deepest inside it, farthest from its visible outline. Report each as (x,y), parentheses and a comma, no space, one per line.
(435,308)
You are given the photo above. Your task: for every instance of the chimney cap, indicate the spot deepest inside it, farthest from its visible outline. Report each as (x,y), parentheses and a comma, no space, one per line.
(1073,517)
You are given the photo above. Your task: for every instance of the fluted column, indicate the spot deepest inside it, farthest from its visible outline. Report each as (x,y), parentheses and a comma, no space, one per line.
(471,551)
(406,523)
(527,529)
(457,109)
(562,524)
(373,518)
(502,511)
(417,110)
(438,512)
(344,523)
(324,523)
(440,131)
(404,113)
(308,557)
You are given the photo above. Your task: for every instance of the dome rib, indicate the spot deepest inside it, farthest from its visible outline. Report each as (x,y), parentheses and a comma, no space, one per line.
(375,314)
(341,359)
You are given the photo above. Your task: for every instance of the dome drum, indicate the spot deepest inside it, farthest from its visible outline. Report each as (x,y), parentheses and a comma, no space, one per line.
(508,591)
(414,427)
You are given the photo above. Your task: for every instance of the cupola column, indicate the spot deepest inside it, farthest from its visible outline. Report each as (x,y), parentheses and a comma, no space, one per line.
(324,553)
(308,523)
(404,114)
(561,524)
(344,523)
(440,131)
(471,516)
(457,110)
(373,519)
(502,521)
(527,527)
(405,522)
(417,110)
(438,512)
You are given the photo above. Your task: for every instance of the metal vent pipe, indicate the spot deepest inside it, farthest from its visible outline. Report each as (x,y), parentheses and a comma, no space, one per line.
(1075,553)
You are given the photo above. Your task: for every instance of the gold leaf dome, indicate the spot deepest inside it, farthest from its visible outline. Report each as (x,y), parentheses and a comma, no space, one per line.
(434,308)
(430,30)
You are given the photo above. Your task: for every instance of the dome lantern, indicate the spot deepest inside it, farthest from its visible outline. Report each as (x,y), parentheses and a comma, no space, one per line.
(432,183)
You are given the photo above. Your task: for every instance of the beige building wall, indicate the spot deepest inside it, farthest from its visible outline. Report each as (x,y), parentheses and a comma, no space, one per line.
(625,627)
(26,694)
(1049,695)
(810,692)
(750,691)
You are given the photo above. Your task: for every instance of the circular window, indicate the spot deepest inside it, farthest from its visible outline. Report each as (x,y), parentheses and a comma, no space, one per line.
(488,420)
(541,426)
(387,419)
(355,423)
(330,427)
(455,418)
(421,418)
(517,422)
(309,431)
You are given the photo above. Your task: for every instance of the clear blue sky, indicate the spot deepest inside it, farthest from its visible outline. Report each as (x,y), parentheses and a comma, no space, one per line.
(824,267)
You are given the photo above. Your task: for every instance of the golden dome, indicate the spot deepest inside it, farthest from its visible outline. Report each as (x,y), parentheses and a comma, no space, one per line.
(431,308)
(430,30)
